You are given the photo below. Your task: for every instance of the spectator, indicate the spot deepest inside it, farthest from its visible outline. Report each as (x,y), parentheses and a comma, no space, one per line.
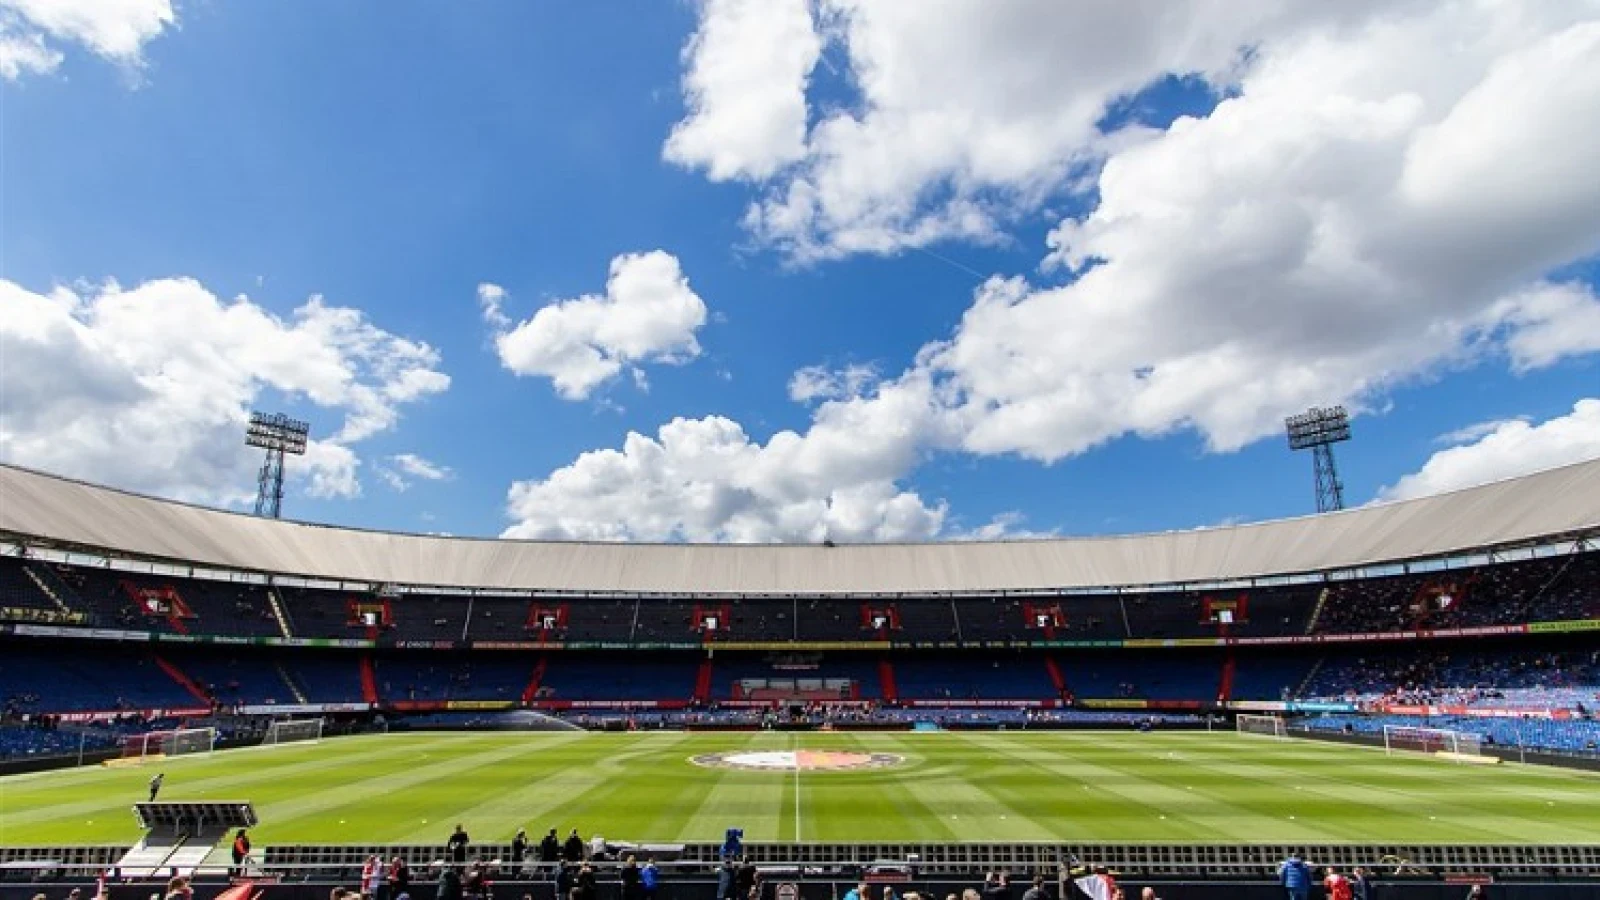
(725,876)
(372,874)
(1337,885)
(572,850)
(399,878)
(241,850)
(563,879)
(583,887)
(746,876)
(456,847)
(1036,891)
(449,884)
(519,849)
(630,879)
(1361,886)
(550,848)
(650,878)
(1295,876)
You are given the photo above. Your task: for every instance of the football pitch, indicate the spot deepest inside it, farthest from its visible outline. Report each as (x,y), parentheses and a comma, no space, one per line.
(937,787)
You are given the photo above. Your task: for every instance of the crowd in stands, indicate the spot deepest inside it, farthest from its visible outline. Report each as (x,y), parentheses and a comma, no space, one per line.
(1546,589)
(1566,678)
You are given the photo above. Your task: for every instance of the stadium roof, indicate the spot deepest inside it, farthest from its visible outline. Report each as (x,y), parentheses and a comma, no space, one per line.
(1547,505)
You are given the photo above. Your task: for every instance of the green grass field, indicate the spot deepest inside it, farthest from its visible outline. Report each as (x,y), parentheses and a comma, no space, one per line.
(1066,786)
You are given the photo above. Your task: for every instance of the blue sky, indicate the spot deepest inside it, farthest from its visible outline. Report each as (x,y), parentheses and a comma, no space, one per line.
(393,158)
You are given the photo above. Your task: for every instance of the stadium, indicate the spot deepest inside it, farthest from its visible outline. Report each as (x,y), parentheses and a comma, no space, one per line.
(1407,687)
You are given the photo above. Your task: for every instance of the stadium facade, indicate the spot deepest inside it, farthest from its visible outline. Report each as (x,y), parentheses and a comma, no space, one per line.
(119,611)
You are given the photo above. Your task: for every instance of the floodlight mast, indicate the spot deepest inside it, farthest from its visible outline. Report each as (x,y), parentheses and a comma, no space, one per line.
(1319,429)
(277,434)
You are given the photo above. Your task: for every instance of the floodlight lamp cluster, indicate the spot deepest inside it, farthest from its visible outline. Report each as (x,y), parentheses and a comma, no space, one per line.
(1318,427)
(277,432)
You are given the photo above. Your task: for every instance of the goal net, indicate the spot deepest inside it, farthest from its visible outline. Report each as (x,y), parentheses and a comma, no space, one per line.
(1439,741)
(291,730)
(1250,724)
(178,742)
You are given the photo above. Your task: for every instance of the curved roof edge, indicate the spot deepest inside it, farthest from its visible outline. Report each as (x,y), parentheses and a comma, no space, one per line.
(1548,504)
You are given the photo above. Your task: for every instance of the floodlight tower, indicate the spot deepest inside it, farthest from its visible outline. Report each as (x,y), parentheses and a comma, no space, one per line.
(277,434)
(1320,429)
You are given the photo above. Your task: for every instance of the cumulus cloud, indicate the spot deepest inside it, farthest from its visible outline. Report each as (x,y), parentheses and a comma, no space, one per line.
(116,30)
(707,480)
(747,69)
(966,114)
(1282,251)
(149,388)
(648,314)
(1380,197)
(1504,450)
(1549,322)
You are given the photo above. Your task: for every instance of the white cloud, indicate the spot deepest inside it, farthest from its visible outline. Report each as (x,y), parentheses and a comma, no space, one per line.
(706,480)
(417,467)
(1279,253)
(150,388)
(748,66)
(967,113)
(21,54)
(1327,233)
(822,383)
(491,302)
(1508,449)
(402,467)
(1005,526)
(1550,322)
(1471,433)
(648,314)
(114,29)
(329,470)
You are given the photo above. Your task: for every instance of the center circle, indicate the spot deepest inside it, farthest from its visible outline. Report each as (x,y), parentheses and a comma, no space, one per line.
(797,760)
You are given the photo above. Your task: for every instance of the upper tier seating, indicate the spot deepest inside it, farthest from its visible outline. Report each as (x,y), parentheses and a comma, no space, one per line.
(1565,587)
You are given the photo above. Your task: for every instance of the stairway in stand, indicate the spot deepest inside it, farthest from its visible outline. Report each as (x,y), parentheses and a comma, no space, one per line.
(369,680)
(531,692)
(280,613)
(702,681)
(1316,611)
(294,686)
(50,585)
(189,684)
(891,692)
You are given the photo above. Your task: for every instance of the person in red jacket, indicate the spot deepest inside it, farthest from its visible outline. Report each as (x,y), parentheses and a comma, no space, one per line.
(1337,885)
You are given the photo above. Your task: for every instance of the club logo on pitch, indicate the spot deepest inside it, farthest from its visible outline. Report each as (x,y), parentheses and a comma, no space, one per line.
(798,760)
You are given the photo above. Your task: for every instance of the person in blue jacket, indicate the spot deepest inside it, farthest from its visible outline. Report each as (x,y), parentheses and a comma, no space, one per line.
(1295,876)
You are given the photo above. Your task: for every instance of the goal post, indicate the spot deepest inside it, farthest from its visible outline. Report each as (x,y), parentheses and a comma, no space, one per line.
(177,742)
(1458,745)
(1246,723)
(292,730)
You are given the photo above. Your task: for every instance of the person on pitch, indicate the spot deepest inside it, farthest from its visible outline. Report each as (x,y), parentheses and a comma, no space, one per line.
(155,785)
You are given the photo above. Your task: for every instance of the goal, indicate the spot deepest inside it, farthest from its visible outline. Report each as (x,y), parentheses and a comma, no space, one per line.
(178,742)
(1458,745)
(1250,724)
(291,730)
